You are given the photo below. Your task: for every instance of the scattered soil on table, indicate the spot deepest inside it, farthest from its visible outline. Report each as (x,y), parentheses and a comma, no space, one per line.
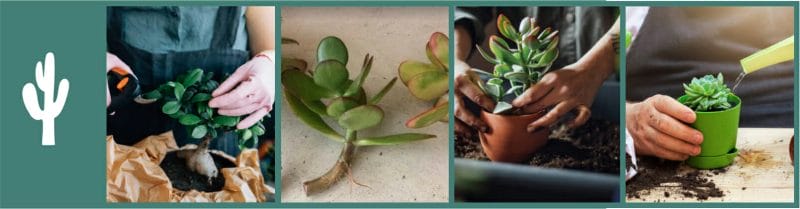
(656,173)
(184,179)
(591,147)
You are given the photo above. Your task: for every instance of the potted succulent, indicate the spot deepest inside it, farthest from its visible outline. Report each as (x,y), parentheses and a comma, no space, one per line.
(186,100)
(429,81)
(717,110)
(327,92)
(518,65)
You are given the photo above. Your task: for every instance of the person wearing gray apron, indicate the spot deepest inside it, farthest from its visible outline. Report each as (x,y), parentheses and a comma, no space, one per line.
(160,43)
(675,44)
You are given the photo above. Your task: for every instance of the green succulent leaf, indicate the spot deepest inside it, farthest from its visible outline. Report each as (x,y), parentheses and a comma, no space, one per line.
(393,139)
(429,85)
(193,77)
(340,105)
(199,132)
(258,130)
(170,107)
(179,89)
(486,56)
(247,134)
(438,50)
(410,68)
(505,28)
(201,97)
(316,106)
(332,48)
(330,74)
(225,120)
(189,119)
(303,86)
(502,107)
(428,117)
(359,82)
(361,117)
(377,98)
(310,118)
(494,87)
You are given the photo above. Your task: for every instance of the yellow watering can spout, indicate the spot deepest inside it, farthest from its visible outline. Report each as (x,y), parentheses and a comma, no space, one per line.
(777,53)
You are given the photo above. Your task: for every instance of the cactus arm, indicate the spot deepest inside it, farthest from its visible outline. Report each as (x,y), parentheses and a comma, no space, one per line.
(31,101)
(63,91)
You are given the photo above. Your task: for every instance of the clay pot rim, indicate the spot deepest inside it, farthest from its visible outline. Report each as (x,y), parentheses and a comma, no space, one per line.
(537,114)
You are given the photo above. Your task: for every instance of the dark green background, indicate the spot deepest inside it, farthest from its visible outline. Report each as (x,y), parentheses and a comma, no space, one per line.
(72,172)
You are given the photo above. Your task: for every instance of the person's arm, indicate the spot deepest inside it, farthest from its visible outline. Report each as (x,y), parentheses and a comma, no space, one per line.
(658,128)
(261,30)
(466,88)
(573,87)
(250,90)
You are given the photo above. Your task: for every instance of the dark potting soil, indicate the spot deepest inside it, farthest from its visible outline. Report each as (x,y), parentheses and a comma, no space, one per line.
(184,179)
(654,173)
(591,147)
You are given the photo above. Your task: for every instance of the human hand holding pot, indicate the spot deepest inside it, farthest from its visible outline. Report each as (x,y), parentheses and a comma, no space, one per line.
(249,90)
(112,61)
(658,127)
(469,94)
(572,88)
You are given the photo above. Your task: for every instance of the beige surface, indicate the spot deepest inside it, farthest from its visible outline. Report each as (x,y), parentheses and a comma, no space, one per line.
(769,181)
(410,172)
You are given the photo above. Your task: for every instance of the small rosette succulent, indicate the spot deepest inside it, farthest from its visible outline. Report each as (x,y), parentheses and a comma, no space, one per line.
(708,93)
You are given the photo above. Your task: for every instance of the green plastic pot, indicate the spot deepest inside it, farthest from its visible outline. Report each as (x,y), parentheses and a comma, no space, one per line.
(719,130)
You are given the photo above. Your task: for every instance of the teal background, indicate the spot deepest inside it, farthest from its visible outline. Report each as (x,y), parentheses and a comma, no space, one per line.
(72,172)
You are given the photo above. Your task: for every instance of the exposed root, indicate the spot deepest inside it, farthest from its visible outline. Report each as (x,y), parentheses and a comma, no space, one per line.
(353,180)
(333,175)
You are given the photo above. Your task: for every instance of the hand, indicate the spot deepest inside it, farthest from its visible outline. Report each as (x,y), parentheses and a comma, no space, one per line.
(467,92)
(112,61)
(658,127)
(250,90)
(572,88)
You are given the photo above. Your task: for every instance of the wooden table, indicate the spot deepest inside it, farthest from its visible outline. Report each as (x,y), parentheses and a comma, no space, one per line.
(770,180)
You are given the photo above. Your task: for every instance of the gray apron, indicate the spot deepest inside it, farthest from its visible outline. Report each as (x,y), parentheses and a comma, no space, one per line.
(676,44)
(154,68)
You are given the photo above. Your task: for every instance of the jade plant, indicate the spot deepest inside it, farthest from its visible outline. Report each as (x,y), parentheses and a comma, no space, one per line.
(519,64)
(429,81)
(707,94)
(186,100)
(327,92)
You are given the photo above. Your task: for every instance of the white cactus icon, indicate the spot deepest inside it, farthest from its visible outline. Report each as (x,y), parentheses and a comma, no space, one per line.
(45,79)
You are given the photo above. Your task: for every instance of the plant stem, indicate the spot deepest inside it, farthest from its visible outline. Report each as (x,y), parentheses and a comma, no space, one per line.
(338,170)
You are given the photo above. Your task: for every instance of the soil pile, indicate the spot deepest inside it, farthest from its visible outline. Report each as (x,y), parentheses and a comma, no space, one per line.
(591,147)
(184,179)
(657,173)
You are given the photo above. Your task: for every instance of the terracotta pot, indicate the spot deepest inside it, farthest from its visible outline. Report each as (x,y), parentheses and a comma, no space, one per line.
(509,140)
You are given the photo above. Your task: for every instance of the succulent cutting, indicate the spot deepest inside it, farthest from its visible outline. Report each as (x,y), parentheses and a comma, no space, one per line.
(708,93)
(519,64)
(328,92)
(186,100)
(429,81)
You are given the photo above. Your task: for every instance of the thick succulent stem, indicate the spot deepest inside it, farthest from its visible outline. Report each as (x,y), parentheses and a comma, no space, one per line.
(338,170)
